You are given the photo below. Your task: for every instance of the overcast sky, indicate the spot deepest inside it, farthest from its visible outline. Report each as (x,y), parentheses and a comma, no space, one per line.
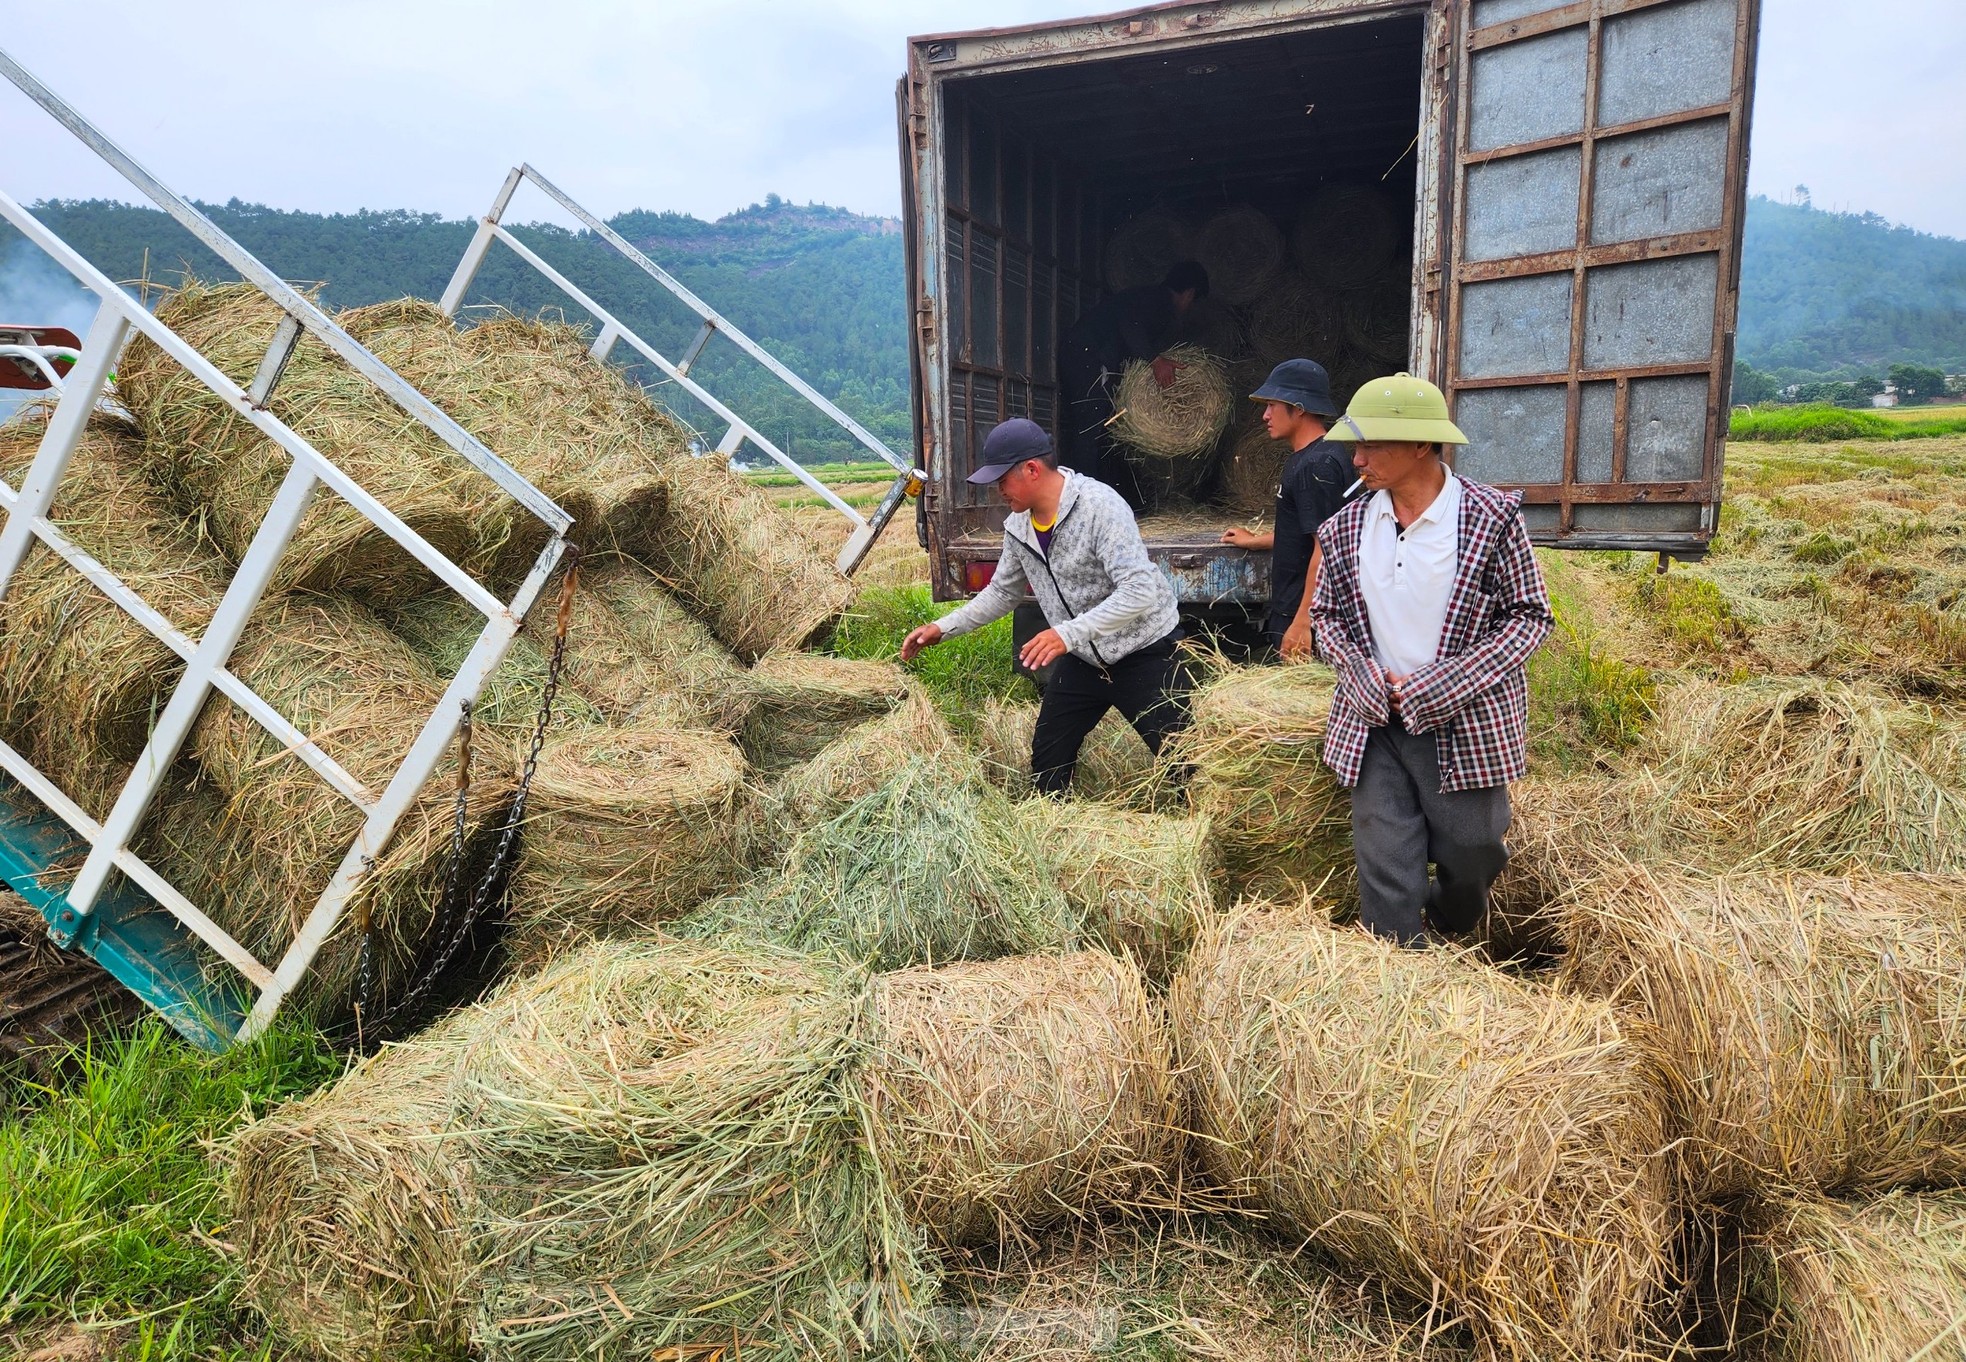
(705,107)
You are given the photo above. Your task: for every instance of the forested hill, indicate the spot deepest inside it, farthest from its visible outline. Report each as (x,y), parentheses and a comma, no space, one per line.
(1824,292)
(819,287)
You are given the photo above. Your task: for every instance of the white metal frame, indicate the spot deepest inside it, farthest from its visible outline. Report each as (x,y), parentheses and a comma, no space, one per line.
(738,431)
(26,520)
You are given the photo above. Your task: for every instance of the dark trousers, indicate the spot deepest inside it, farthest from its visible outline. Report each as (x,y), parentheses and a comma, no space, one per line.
(1150,687)
(1085,442)
(1401,821)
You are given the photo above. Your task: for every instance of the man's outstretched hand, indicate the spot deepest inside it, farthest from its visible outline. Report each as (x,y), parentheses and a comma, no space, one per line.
(924,636)
(1165,369)
(1041,651)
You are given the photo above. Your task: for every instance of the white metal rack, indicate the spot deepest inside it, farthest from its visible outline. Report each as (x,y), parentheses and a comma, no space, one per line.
(738,431)
(206,658)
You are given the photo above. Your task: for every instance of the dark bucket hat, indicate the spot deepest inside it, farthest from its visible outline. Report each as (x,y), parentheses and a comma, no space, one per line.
(1302,383)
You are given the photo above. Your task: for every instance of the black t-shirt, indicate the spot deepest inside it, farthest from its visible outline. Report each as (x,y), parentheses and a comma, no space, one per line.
(1313,489)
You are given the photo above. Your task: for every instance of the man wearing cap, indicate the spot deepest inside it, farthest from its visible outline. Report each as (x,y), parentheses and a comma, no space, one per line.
(1428,605)
(1297,409)
(1114,621)
(1135,323)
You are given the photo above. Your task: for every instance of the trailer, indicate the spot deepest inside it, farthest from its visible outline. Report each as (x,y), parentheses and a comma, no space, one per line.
(1570,180)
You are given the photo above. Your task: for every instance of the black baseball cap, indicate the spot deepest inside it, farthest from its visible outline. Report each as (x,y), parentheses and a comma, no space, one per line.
(1009,444)
(1302,383)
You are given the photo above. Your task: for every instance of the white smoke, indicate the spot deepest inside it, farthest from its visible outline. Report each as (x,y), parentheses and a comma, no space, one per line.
(35,291)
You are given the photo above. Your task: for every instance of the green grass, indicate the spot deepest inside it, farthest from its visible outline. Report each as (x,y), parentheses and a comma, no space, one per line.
(1584,701)
(1948,411)
(832,474)
(961,674)
(1692,610)
(1827,425)
(111,1198)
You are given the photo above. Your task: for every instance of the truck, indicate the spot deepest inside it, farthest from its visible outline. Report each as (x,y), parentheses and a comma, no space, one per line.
(1568,180)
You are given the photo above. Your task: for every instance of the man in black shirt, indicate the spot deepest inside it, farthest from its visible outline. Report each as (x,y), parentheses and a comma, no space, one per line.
(1297,409)
(1135,323)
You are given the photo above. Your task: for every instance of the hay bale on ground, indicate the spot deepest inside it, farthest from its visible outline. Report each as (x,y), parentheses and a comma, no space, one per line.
(1167,428)
(1812,1029)
(931,867)
(857,763)
(80,680)
(1862,1282)
(1800,774)
(1114,765)
(1476,1140)
(1242,250)
(1346,236)
(789,706)
(625,829)
(1145,247)
(1011,1094)
(350,1209)
(1562,831)
(669,1145)
(740,564)
(1256,745)
(1143,882)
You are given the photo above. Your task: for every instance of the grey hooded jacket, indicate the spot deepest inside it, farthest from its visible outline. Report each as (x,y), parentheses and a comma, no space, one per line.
(1098,588)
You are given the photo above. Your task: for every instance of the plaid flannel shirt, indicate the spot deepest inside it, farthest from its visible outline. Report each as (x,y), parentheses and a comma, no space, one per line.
(1475,695)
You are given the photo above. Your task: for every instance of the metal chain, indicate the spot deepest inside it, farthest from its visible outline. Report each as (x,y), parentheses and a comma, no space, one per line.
(462,923)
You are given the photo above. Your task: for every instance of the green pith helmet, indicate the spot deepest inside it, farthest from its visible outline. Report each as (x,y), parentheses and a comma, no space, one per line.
(1400,407)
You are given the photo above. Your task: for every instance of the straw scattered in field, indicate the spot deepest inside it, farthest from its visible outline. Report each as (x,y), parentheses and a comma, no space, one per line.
(1482,1143)
(80,680)
(931,867)
(626,828)
(1143,882)
(1259,775)
(1178,422)
(1114,765)
(1242,250)
(1008,1095)
(1812,1029)
(1860,1282)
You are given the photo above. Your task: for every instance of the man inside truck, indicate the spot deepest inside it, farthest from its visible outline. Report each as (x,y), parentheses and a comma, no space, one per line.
(1297,409)
(1428,605)
(1135,323)
(1115,625)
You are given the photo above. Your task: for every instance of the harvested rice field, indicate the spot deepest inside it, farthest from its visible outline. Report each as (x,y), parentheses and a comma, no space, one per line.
(805,1030)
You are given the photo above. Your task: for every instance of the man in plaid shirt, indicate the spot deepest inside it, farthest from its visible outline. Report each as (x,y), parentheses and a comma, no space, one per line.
(1428,607)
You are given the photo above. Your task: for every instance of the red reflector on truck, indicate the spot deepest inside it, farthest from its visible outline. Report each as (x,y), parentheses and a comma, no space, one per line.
(977,575)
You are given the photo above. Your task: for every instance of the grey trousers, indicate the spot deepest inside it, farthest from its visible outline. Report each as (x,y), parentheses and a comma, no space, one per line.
(1401,821)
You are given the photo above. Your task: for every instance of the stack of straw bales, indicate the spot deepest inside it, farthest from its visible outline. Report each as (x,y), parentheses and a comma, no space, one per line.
(1242,250)
(1491,1145)
(1144,247)
(665,1148)
(1346,235)
(1255,747)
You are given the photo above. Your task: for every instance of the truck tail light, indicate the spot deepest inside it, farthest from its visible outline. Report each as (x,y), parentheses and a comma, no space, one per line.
(977,575)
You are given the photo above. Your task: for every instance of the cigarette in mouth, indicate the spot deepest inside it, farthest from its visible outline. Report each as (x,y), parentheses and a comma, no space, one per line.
(1355,486)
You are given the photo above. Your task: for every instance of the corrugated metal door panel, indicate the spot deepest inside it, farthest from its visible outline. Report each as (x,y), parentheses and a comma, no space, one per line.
(1594,227)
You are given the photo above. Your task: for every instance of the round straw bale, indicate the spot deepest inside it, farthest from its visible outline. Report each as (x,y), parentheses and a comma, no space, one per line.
(1142,881)
(1860,1282)
(1009,1094)
(740,564)
(1144,247)
(1378,318)
(1114,765)
(1800,774)
(1812,1028)
(1295,318)
(790,705)
(1242,250)
(1475,1139)
(1561,832)
(1253,471)
(1214,326)
(350,1209)
(625,829)
(669,1145)
(1256,749)
(859,762)
(1346,235)
(933,866)
(80,680)
(1179,422)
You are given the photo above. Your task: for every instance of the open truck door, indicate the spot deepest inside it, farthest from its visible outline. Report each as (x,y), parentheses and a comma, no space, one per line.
(1588,255)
